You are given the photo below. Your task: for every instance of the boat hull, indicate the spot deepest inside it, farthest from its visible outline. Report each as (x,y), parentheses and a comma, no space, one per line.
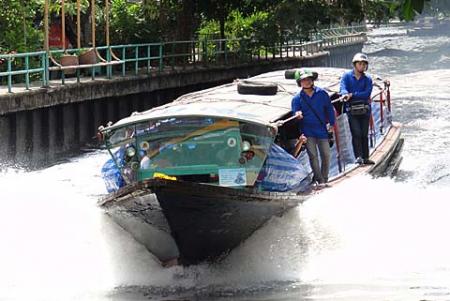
(209,221)
(138,212)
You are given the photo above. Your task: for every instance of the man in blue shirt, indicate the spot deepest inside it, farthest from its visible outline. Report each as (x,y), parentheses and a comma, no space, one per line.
(356,88)
(313,107)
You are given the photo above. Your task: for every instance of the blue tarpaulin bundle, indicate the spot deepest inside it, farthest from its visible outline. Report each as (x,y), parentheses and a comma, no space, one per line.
(111,173)
(283,172)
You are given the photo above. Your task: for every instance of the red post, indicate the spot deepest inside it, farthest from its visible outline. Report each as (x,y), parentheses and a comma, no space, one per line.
(381,112)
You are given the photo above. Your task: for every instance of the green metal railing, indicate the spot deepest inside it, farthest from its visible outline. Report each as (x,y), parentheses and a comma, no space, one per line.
(28,61)
(22,69)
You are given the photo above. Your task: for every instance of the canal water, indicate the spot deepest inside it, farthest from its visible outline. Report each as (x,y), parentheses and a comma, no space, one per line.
(367,239)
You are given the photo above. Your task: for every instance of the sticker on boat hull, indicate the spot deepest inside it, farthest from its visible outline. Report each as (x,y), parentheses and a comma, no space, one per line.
(232,177)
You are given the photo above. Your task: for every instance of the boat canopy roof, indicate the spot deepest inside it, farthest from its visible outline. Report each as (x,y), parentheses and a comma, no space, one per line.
(225,102)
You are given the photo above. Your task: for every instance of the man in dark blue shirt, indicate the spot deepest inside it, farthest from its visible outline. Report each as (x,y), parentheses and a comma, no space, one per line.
(313,107)
(356,88)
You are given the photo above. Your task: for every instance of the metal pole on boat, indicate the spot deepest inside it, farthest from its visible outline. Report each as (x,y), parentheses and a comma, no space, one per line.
(282,122)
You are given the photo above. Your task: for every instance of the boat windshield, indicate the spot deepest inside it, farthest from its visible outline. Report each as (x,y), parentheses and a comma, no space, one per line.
(202,149)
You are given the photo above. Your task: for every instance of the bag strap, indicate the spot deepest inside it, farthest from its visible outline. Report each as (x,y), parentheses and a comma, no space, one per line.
(315,113)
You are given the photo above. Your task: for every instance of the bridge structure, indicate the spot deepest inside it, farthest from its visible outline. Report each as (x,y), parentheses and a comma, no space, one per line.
(51,106)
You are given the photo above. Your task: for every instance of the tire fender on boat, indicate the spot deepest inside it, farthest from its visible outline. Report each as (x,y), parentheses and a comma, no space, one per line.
(256,88)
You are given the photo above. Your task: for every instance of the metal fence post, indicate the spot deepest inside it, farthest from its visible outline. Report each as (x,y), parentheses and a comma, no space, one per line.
(205,51)
(27,74)
(136,56)
(45,71)
(161,61)
(124,60)
(108,59)
(148,58)
(8,60)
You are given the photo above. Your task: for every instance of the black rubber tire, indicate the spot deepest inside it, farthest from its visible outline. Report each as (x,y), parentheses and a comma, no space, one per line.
(290,74)
(257,88)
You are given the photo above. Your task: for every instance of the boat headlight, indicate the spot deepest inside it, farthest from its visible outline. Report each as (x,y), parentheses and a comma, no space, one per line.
(231,142)
(144,145)
(131,151)
(246,146)
(134,165)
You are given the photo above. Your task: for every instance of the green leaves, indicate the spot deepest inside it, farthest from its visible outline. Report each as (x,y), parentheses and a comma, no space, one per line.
(405,9)
(410,8)
(17,30)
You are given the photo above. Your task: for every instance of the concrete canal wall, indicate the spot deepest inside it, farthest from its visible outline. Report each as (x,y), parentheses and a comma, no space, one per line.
(42,125)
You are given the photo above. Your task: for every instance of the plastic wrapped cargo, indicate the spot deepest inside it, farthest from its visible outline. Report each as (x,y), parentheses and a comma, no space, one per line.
(111,174)
(282,172)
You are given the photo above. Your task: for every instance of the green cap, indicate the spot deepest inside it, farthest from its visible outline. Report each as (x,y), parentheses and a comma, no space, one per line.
(303,73)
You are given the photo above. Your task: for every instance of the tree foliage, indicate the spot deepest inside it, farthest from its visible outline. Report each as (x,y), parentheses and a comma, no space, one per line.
(150,20)
(296,18)
(130,23)
(18,30)
(408,9)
